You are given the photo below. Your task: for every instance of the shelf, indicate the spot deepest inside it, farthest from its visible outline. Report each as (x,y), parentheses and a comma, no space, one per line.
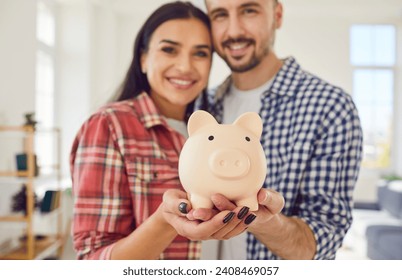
(17,128)
(14,174)
(42,249)
(13,218)
(52,242)
(36,215)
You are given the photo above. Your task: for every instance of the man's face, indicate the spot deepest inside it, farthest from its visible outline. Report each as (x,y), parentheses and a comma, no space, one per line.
(244,30)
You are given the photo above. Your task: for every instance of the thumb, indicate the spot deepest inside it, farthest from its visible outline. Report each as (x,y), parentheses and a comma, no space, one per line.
(272,200)
(176,202)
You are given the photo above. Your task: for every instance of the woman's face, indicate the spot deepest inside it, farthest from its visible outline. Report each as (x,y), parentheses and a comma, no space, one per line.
(177,64)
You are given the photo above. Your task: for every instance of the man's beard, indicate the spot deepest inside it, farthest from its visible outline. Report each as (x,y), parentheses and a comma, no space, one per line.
(253,62)
(255,59)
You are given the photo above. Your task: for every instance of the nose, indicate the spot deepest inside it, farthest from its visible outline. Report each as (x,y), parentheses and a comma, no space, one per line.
(235,27)
(229,163)
(184,63)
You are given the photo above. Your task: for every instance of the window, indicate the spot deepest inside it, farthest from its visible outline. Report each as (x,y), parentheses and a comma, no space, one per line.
(44,99)
(373,58)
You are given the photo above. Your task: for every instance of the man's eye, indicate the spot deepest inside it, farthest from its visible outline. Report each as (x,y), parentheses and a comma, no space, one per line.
(169,50)
(249,11)
(219,16)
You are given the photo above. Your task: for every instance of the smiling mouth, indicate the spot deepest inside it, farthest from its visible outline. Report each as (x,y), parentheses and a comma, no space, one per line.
(180,83)
(237,48)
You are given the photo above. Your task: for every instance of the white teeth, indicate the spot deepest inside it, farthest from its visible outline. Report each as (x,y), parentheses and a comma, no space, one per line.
(181,82)
(237,46)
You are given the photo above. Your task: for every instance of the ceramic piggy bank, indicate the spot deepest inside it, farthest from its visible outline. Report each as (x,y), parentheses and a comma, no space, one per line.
(223,158)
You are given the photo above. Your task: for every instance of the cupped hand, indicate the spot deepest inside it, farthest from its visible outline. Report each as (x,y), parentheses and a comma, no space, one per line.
(201,224)
(270,203)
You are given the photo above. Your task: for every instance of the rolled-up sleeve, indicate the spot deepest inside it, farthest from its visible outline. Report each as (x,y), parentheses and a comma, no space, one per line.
(325,200)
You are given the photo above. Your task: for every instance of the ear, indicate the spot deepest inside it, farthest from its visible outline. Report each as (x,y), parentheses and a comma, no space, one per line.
(278,10)
(143,61)
(250,121)
(199,119)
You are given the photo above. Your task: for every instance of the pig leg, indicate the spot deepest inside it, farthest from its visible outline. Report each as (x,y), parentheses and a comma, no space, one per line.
(198,201)
(250,202)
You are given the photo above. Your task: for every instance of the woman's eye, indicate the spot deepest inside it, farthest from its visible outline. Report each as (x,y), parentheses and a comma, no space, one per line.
(169,50)
(202,54)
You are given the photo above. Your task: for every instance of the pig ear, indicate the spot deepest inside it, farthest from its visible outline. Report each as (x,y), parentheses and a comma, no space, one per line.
(199,119)
(250,121)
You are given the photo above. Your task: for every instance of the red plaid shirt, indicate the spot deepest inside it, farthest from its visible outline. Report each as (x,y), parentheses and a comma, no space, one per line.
(122,161)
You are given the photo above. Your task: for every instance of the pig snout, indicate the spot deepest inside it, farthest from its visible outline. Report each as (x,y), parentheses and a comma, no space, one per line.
(229,163)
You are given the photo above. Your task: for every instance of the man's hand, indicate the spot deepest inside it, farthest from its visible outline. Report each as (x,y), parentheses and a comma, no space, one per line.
(287,237)
(270,204)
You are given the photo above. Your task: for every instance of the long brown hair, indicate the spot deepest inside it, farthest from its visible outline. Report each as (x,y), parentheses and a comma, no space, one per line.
(135,81)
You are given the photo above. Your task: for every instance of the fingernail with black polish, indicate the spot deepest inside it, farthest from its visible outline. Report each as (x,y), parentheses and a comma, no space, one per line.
(228,217)
(249,219)
(183,207)
(243,212)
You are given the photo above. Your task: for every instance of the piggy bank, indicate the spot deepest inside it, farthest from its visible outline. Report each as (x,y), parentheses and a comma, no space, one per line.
(223,158)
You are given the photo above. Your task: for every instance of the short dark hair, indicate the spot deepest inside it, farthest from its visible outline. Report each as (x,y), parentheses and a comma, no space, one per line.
(135,81)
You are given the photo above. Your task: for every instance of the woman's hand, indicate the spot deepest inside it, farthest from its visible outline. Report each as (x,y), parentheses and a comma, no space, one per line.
(202,224)
(270,203)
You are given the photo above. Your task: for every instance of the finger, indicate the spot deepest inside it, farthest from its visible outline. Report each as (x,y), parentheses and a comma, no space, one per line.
(235,226)
(205,230)
(222,203)
(190,215)
(176,202)
(239,229)
(272,200)
(202,214)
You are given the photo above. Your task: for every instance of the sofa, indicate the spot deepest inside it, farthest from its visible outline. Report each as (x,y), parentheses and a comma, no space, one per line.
(376,231)
(384,241)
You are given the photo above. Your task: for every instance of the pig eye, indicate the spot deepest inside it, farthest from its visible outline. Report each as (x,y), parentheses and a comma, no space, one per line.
(248,139)
(210,138)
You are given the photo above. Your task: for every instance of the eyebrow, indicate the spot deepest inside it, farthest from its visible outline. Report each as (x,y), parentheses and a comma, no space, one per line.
(169,42)
(178,44)
(203,47)
(242,6)
(250,4)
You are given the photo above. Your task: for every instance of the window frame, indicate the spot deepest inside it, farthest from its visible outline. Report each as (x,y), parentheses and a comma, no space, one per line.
(393,69)
(49,156)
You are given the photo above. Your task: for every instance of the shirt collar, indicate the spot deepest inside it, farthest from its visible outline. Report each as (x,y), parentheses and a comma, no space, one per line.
(288,79)
(285,82)
(148,113)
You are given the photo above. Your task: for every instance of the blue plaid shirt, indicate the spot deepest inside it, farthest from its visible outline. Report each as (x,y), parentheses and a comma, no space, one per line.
(312,139)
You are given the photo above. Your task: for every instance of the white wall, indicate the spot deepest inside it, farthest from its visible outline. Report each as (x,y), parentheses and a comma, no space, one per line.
(73,77)
(17,71)
(397,153)
(17,60)
(104,51)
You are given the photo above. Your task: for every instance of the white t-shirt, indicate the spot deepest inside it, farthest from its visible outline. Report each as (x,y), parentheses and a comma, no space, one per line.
(179,126)
(236,103)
